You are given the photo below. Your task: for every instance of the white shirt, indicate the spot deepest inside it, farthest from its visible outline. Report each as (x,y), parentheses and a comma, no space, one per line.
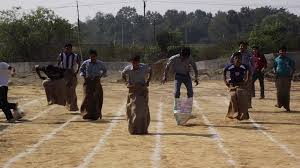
(4,74)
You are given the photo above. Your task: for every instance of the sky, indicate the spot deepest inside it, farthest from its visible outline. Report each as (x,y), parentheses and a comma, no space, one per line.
(88,8)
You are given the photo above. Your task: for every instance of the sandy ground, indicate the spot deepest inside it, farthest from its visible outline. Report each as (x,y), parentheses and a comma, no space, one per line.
(51,137)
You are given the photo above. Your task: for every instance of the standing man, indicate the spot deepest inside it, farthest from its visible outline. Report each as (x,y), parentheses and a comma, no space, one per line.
(239,76)
(181,67)
(6,107)
(260,65)
(92,70)
(71,63)
(54,83)
(137,77)
(284,68)
(248,61)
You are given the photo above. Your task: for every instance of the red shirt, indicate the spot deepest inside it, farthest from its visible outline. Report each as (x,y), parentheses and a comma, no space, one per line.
(260,61)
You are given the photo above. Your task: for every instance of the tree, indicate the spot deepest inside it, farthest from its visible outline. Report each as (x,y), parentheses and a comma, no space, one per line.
(29,37)
(277,30)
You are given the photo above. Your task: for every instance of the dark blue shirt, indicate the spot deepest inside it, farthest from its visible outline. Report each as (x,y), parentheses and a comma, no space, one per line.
(237,74)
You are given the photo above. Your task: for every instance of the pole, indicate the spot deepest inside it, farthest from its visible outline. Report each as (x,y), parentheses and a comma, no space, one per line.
(122,36)
(144,27)
(78,30)
(154,30)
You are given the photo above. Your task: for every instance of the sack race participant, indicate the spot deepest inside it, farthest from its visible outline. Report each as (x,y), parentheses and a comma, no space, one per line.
(54,84)
(180,64)
(239,76)
(92,70)
(137,77)
(284,68)
(6,107)
(249,62)
(67,60)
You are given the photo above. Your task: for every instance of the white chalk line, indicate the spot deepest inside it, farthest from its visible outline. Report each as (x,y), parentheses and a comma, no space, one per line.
(90,156)
(216,136)
(156,157)
(34,147)
(260,128)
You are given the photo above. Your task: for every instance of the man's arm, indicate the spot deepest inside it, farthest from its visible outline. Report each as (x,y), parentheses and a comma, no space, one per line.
(12,70)
(293,66)
(225,77)
(166,70)
(124,76)
(104,69)
(78,61)
(149,76)
(196,72)
(59,60)
(247,76)
(82,70)
(265,61)
(38,70)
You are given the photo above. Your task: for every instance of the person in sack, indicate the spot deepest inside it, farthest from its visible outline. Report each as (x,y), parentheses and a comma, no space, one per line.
(284,68)
(92,70)
(181,64)
(71,63)
(237,85)
(54,83)
(5,70)
(260,65)
(248,61)
(137,77)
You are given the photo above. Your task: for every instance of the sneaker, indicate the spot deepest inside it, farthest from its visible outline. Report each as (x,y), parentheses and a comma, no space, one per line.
(278,106)
(18,113)
(11,121)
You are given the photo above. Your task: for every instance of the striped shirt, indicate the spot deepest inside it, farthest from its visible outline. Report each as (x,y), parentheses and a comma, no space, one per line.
(68,61)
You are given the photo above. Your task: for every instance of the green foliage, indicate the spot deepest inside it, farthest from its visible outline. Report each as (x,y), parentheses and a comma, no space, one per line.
(40,34)
(277,30)
(33,36)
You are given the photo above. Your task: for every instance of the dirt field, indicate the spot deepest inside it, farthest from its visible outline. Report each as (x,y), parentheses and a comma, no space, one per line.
(52,137)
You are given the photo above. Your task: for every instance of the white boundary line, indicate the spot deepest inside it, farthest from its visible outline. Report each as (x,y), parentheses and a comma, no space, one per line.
(217,137)
(155,158)
(90,156)
(33,148)
(260,128)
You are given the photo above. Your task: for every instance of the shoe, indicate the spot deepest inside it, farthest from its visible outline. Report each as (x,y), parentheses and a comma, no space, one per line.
(287,109)
(11,121)
(262,97)
(278,106)
(18,113)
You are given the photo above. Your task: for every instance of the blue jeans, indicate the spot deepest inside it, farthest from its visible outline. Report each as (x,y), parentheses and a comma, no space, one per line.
(187,81)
